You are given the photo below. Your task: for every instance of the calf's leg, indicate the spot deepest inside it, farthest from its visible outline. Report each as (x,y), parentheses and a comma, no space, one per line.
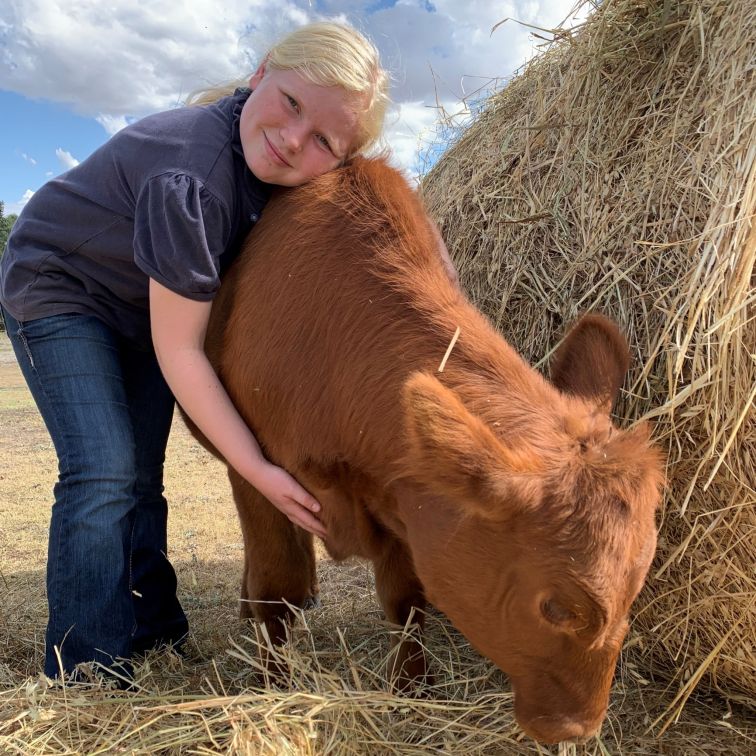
(399,592)
(279,561)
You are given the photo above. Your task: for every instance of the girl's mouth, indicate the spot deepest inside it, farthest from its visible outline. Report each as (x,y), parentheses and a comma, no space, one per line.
(275,155)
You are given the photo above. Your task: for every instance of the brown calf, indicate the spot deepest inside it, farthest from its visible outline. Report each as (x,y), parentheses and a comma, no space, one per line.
(509,502)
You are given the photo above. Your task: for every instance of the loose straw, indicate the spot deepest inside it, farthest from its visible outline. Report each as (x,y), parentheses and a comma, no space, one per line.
(449,350)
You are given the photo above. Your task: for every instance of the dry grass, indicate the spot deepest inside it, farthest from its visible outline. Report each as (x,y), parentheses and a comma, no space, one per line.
(617,172)
(334,700)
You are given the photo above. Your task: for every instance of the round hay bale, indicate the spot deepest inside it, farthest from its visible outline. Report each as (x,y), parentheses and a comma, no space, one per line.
(617,172)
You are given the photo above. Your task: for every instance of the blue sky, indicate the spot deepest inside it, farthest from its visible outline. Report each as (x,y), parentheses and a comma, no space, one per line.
(73,71)
(31,131)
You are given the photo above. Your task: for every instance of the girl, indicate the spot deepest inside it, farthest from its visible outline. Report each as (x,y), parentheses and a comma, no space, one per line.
(106,286)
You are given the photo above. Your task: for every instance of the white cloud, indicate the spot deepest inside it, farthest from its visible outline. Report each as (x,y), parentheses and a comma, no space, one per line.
(67,160)
(28,158)
(121,60)
(450,51)
(126,58)
(14,208)
(409,131)
(112,124)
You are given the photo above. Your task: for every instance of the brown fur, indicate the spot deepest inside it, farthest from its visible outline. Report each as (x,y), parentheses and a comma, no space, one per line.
(514,506)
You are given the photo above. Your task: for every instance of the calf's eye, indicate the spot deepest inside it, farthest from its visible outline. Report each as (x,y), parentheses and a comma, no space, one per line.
(557,613)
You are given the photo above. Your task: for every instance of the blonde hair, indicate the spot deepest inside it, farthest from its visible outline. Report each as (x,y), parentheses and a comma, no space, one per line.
(327,54)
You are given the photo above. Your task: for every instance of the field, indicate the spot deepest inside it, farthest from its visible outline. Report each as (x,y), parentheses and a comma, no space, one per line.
(336,700)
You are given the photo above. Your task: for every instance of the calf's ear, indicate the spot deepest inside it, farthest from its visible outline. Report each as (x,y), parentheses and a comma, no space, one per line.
(592,360)
(455,454)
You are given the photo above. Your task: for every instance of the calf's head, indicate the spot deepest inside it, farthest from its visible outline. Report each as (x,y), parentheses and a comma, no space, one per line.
(542,533)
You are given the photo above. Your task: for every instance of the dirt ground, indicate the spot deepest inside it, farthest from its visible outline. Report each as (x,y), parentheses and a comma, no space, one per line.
(206,549)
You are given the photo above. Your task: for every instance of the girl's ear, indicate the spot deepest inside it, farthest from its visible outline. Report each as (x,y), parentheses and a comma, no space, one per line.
(257,76)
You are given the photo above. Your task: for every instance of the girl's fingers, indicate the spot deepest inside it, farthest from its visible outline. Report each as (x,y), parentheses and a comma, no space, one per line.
(310,503)
(305,520)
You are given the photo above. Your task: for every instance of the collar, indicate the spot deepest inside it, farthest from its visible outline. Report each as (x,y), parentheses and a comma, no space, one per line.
(255,193)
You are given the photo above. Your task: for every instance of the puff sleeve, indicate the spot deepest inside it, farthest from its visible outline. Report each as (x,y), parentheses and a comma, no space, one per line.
(180,232)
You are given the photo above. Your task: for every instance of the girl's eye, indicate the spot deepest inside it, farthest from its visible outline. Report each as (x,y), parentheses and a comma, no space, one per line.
(324,142)
(292,102)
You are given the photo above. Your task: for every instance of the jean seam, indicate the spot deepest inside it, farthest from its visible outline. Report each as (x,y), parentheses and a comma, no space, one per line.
(131,568)
(22,337)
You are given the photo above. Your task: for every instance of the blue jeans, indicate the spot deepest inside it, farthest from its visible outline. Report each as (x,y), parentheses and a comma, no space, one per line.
(111,590)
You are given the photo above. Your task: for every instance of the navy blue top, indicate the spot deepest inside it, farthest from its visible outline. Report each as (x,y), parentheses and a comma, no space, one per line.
(169,197)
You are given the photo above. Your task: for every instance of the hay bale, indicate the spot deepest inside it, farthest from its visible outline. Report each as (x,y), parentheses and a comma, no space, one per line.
(617,171)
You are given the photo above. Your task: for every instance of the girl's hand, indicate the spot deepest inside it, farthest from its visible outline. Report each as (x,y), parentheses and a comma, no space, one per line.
(286,495)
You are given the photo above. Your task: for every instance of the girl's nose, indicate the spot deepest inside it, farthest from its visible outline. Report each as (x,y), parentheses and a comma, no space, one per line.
(293,136)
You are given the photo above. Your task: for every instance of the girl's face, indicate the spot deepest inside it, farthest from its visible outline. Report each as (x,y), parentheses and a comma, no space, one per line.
(293,130)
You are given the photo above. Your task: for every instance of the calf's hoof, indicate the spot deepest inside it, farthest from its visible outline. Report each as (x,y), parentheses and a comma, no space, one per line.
(312,602)
(408,671)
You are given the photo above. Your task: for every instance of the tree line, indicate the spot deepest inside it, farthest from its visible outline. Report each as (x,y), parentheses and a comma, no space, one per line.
(6,224)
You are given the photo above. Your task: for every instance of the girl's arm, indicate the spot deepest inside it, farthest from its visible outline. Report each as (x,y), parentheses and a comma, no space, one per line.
(451,271)
(178,333)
